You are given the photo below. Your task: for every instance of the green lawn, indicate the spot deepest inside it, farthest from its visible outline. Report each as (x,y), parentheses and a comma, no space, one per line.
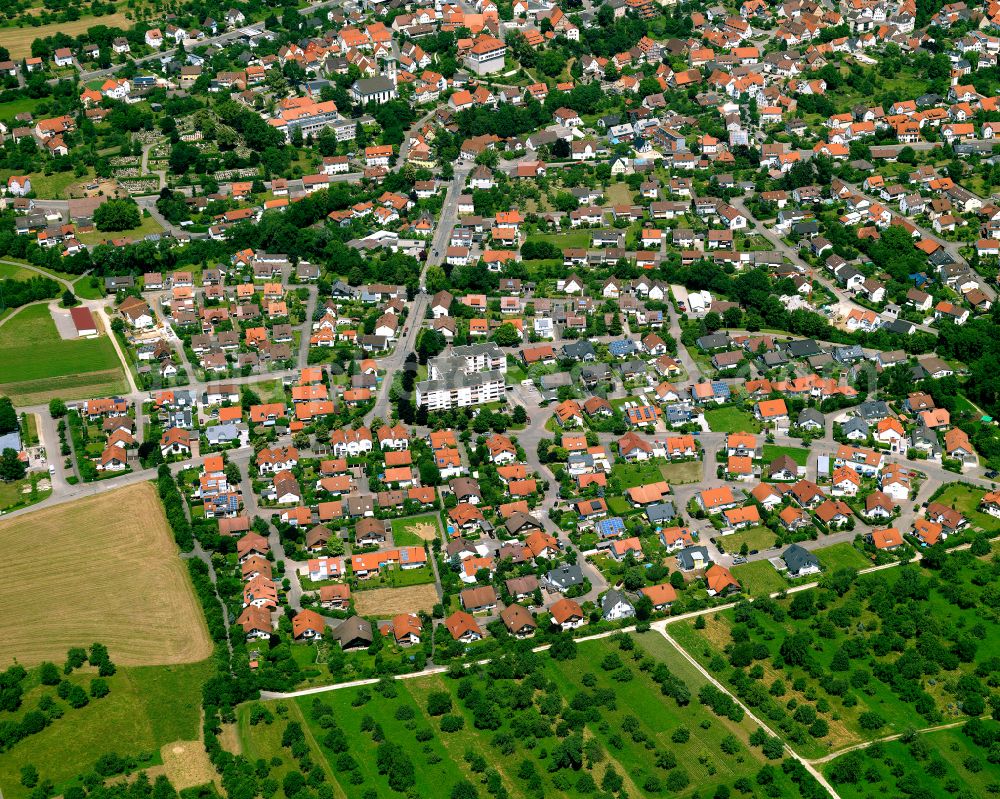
(619,505)
(14,272)
(731,420)
(402,536)
(398,578)
(12,108)
(966,500)
(147,708)
(797,454)
(12,494)
(759,578)
(627,726)
(83,289)
(569,239)
(637,474)
(35,363)
(758,537)
(841,556)
(962,764)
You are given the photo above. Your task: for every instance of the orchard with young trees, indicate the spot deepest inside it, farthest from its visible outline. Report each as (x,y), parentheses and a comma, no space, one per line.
(863,656)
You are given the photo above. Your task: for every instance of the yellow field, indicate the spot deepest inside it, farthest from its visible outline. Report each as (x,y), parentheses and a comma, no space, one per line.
(384,602)
(103,568)
(18,40)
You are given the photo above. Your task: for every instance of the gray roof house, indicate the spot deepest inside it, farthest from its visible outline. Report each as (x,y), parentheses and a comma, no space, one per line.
(855,428)
(580,350)
(714,341)
(811,419)
(693,558)
(222,434)
(873,410)
(660,512)
(615,605)
(799,561)
(565,576)
(802,349)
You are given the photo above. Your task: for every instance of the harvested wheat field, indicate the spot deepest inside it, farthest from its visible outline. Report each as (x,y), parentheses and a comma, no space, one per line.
(18,40)
(105,569)
(390,601)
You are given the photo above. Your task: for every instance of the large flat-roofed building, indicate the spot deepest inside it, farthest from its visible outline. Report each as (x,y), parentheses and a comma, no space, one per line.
(469,375)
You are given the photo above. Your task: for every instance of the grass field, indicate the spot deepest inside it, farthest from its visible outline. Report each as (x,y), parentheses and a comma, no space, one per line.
(390,601)
(147,225)
(636,474)
(731,420)
(797,454)
(12,108)
(104,568)
(442,759)
(568,239)
(841,556)
(18,40)
(758,538)
(759,578)
(966,500)
(14,272)
(85,291)
(413,532)
(685,472)
(36,364)
(618,194)
(148,707)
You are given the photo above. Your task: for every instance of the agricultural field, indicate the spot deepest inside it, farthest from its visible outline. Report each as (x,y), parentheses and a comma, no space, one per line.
(563,728)
(147,709)
(36,364)
(861,657)
(384,602)
(731,420)
(944,763)
(87,571)
(18,40)
(415,531)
